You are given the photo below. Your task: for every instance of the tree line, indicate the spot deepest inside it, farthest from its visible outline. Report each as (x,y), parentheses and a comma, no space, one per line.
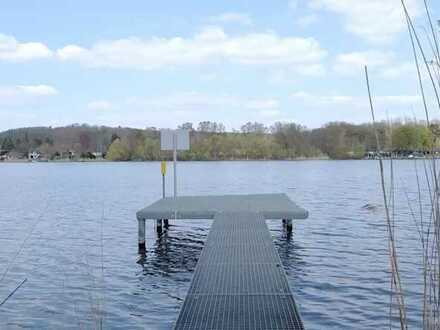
(211,141)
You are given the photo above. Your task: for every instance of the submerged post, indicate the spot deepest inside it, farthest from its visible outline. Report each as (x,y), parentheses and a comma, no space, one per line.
(289,225)
(159,226)
(141,235)
(163,170)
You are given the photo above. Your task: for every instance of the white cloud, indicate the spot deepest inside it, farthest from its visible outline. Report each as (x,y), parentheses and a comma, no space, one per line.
(195,101)
(37,90)
(351,63)
(208,76)
(372,20)
(399,99)
(71,51)
(310,70)
(173,109)
(355,101)
(270,114)
(306,21)
(99,105)
(384,63)
(263,105)
(397,70)
(312,99)
(212,44)
(283,76)
(353,108)
(238,18)
(293,4)
(301,95)
(24,94)
(14,51)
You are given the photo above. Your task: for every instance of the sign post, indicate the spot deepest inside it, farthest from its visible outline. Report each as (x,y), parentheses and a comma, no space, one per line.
(175,163)
(163,170)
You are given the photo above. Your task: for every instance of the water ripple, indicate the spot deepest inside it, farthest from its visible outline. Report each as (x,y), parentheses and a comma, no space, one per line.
(83,268)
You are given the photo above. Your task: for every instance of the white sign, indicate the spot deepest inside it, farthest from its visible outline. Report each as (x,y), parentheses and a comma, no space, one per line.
(174,139)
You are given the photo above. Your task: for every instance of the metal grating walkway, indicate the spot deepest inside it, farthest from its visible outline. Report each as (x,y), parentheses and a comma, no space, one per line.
(239,281)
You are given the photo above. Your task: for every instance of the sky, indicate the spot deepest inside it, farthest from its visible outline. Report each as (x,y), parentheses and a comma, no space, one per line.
(144,63)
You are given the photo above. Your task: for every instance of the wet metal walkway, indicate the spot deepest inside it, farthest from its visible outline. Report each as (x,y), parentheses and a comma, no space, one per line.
(239,281)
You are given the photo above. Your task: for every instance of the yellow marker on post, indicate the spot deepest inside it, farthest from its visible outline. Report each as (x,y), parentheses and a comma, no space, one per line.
(163,168)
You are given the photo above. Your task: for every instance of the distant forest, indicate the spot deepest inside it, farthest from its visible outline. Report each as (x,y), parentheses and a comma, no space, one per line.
(210,141)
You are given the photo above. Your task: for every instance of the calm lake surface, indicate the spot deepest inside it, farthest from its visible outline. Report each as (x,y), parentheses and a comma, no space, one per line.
(70,230)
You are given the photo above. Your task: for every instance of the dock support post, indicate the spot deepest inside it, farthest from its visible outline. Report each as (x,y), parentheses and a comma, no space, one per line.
(159,226)
(289,225)
(141,235)
(166,223)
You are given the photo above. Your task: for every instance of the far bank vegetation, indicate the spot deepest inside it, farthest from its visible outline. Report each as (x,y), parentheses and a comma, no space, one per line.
(210,141)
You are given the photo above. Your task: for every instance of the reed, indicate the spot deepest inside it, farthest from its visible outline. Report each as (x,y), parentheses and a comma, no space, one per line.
(396,283)
(425,210)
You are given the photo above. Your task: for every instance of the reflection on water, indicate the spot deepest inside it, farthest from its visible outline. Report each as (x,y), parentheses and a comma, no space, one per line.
(172,253)
(81,260)
(289,250)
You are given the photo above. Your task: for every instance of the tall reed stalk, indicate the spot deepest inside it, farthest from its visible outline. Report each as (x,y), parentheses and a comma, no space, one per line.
(427,190)
(394,264)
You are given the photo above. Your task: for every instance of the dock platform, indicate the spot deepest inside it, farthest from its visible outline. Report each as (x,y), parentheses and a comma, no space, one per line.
(272,206)
(239,281)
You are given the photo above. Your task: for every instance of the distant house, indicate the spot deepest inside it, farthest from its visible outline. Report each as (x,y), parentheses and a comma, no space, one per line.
(3,155)
(97,154)
(34,155)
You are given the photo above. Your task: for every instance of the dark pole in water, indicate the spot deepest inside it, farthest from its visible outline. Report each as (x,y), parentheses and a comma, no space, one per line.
(289,225)
(163,170)
(141,236)
(159,226)
(163,186)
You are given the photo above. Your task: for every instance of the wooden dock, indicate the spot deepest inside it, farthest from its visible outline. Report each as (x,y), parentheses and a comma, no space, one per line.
(239,281)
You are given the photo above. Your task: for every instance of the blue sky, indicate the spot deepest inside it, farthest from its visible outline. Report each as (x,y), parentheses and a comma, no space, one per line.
(145,63)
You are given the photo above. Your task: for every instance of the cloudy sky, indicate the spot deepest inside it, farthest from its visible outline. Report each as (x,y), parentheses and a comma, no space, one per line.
(160,63)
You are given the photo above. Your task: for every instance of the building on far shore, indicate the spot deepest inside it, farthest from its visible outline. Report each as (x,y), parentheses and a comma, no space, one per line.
(4,155)
(34,155)
(401,154)
(97,154)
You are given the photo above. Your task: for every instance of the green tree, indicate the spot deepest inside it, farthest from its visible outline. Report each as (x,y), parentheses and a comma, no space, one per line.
(412,137)
(152,149)
(427,137)
(118,151)
(8,144)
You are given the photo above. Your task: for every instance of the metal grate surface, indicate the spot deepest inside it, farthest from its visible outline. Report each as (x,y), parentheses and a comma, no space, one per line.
(239,282)
(271,206)
(239,312)
(230,279)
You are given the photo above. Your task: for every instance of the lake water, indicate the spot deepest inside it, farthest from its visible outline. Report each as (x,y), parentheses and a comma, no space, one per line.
(70,230)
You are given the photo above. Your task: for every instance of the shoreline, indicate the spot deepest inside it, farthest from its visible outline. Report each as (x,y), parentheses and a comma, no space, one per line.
(25,161)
